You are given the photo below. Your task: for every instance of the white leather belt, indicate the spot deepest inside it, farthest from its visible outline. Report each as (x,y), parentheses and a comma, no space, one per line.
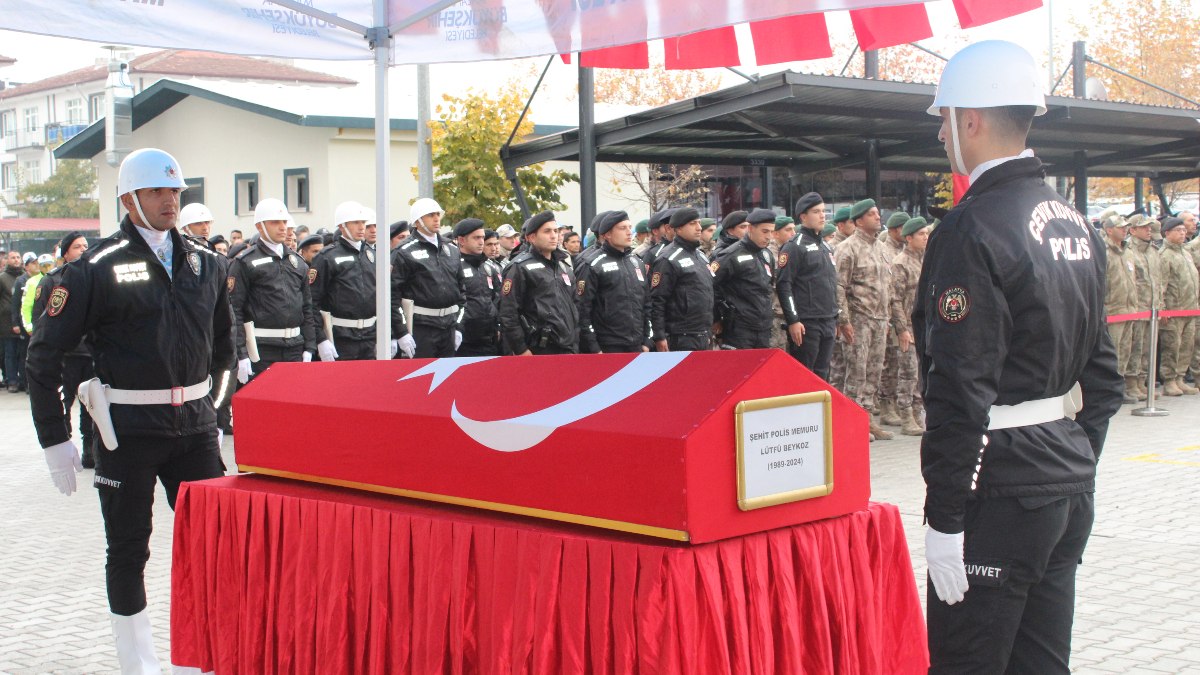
(175,396)
(1040,411)
(425,311)
(352,323)
(284,333)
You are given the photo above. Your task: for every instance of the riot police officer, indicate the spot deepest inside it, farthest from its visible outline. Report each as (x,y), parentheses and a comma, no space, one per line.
(743,284)
(612,294)
(274,319)
(681,289)
(537,299)
(154,309)
(427,270)
(481,281)
(807,289)
(342,284)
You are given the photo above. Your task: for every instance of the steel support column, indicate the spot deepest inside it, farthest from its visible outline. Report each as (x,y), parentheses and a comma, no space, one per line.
(587,148)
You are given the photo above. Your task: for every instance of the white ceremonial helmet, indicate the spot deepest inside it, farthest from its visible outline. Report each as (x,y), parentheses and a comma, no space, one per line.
(423,207)
(149,168)
(270,209)
(194,213)
(348,212)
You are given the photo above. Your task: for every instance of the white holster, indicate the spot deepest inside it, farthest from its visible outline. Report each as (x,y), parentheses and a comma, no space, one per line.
(251,342)
(93,395)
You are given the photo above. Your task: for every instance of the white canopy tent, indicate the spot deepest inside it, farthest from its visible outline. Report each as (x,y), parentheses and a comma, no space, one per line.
(394,32)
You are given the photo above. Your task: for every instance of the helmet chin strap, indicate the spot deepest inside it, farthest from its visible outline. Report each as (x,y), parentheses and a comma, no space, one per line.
(424,228)
(262,232)
(137,204)
(960,166)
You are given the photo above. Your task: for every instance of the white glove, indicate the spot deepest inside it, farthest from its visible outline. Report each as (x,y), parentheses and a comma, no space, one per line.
(457,340)
(64,462)
(407,345)
(947,572)
(244,371)
(326,350)
(305,356)
(395,348)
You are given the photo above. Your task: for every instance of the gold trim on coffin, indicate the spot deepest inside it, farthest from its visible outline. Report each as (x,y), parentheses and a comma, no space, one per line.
(620,526)
(748,504)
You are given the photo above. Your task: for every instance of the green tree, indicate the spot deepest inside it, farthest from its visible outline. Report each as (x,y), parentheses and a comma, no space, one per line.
(66,194)
(469,176)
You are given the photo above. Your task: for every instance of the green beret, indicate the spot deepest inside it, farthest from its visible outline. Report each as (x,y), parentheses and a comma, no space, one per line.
(897,219)
(842,215)
(914,225)
(828,230)
(860,208)
(782,222)
(705,223)
(643,227)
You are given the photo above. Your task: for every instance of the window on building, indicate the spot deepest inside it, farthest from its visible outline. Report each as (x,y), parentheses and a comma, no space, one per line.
(75,111)
(31,119)
(295,189)
(95,107)
(31,171)
(8,122)
(8,176)
(194,194)
(246,191)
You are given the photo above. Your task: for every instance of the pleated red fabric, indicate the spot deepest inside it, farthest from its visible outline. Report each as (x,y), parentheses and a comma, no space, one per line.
(272,576)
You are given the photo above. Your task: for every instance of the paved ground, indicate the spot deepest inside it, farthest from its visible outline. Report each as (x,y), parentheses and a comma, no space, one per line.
(1138,598)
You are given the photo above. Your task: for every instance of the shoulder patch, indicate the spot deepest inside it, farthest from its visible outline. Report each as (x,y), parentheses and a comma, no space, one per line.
(783,258)
(714,266)
(954,304)
(37,292)
(655,279)
(230,282)
(580,286)
(507,287)
(312,275)
(58,300)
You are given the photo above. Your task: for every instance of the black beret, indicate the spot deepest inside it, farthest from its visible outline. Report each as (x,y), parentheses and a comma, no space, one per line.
(807,201)
(398,227)
(536,222)
(490,234)
(466,226)
(66,242)
(237,248)
(758,216)
(660,218)
(1171,223)
(610,221)
(734,219)
(684,215)
(311,240)
(219,239)
(599,218)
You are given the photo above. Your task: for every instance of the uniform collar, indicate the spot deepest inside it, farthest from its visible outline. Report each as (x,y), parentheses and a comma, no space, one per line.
(613,251)
(984,166)
(688,245)
(1007,170)
(275,250)
(862,234)
(356,245)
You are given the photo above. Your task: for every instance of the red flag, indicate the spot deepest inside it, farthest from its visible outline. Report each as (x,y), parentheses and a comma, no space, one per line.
(566,58)
(716,48)
(636,55)
(972,13)
(791,38)
(881,27)
(961,183)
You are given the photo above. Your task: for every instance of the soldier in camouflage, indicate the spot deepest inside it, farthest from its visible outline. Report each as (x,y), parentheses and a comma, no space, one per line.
(1179,292)
(894,243)
(1148,277)
(1120,296)
(785,229)
(906,272)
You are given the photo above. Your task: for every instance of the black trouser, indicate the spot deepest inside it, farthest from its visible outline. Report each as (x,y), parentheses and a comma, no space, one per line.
(434,340)
(271,354)
(816,351)
(125,480)
(478,349)
(747,339)
(1021,555)
(617,348)
(354,350)
(689,342)
(18,378)
(77,369)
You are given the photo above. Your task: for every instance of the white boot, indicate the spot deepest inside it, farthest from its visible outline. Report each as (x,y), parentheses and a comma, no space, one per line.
(135,644)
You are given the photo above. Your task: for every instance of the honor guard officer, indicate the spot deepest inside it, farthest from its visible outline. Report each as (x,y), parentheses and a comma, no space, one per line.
(1008,323)
(681,289)
(807,288)
(733,228)
(611,292)
(272,306)
(481,281)
(155,311)
(342,284)
(427,270)
(195,221)
(537,299)
(743,284)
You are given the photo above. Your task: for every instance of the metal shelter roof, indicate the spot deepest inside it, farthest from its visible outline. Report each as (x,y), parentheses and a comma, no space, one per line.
(811,123)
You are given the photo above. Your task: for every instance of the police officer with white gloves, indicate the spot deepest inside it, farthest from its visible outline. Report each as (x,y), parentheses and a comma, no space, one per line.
(1009,326)
(427,270)
(342,284)
(272,307)
(155,311)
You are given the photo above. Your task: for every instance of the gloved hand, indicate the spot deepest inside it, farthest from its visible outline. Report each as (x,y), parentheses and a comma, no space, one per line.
(395,348)
(457,340)
(244,371)
(947,572)
(305,356)
(63,460)
(326,350)
(407,345)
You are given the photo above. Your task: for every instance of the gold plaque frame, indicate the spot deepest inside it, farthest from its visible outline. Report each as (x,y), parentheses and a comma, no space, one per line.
(748,504)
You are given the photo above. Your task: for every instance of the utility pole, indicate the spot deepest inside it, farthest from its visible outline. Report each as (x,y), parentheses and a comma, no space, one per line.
(424,147)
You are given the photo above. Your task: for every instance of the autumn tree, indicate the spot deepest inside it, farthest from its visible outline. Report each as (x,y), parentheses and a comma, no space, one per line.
(469,175)
(661,185)
(653,86)
(66,194)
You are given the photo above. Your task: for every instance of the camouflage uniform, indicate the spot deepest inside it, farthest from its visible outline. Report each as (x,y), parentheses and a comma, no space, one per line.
(891,355)
(1120,298)
(778,337)
(1193,249)
(863,271)
(1179,292)
(906,271)
(1148,276)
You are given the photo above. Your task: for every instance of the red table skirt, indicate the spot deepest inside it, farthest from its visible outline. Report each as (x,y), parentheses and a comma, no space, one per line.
(274,576)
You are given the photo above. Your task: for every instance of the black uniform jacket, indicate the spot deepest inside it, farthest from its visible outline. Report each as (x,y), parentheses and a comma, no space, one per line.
(147,330)
(42,295)
(272,291)
(431,276)
(1010,308)
(537,300)
(342,282)
(807,278)
(681,291)
(743,282)
(481,321)
(651,254)
(613,299)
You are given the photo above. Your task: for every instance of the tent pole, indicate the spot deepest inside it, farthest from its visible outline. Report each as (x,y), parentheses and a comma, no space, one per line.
(381,42)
